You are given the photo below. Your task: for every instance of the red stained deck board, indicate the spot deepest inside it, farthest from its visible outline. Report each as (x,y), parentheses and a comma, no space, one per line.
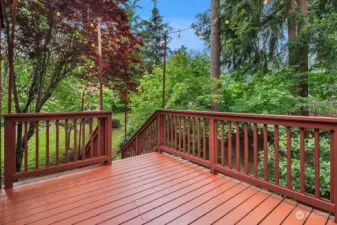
(226,207)
(298,216)
(144,212)
(149,189)
(280,212)
(206,207)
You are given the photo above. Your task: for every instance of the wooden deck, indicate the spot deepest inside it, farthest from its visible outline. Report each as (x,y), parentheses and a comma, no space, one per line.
(149,189)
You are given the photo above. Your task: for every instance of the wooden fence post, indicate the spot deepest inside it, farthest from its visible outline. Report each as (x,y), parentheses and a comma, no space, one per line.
(212,145)
(10,153)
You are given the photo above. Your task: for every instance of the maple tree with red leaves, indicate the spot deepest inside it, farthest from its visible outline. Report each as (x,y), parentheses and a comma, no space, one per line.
(58,38)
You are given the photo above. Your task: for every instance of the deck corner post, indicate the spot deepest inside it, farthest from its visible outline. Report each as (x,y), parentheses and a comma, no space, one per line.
(334,183)
(159,131)
(10,153)
(109,139)
(212,154)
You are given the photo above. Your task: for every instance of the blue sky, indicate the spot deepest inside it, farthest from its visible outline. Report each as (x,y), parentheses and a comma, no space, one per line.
(180,14)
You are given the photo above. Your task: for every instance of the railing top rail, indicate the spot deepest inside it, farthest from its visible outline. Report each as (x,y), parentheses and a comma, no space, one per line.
(304,119)
(52,116)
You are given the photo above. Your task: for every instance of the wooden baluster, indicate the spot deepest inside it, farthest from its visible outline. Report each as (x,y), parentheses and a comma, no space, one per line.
(230,148)
(237,130)
(184,136)
(277,167)
(222,143)
(199,139)
(212,134)
(289,176)
(255,143)
(57,142)
(317,164)
(189,136)
(164,130)
(193,136)
(246,147)
(332,165)
(302,167)
(47,143)
(172,137)
(168,132)
(204,138)
(154,133)
(37,145)
(179,128)
(26,146)
(98,137)
(83,139)
(176,133)
(91,138)
(145,141)
(265,150)
(149,138)
(66,140)
(216,149)
(152,137)
(75,140)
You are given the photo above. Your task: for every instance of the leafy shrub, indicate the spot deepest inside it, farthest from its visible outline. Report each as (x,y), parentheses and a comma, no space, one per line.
(295,163)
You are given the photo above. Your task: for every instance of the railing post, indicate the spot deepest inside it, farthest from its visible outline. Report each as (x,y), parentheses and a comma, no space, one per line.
(10,153)
(212,145)
(159,131)
(334,152)
(109,138)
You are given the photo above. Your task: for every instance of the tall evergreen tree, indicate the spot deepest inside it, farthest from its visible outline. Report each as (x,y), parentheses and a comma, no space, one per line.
(154,34)
(215,52)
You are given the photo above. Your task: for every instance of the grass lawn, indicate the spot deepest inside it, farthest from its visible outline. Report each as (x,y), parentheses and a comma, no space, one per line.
(117,137)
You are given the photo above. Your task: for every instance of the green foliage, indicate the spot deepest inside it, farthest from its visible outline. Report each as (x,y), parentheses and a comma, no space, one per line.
(295,163)
(265,93)
(187,86)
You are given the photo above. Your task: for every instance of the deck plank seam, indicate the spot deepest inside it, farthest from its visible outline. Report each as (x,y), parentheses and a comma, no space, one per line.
(208,201)
(107,172)
(259,190)
(120,199)
(108,177)
(115,189)
(254,208)
(168,201)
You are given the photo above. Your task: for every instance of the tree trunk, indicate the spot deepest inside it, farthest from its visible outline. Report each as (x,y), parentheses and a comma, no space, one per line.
(215,52)
(291,33)
(304,58)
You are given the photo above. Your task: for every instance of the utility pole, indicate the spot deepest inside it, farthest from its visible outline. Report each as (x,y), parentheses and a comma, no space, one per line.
(164,71)
(215,50)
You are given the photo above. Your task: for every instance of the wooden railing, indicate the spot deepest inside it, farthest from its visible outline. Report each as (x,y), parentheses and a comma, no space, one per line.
(28,143)
(145,140)
(258,149)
